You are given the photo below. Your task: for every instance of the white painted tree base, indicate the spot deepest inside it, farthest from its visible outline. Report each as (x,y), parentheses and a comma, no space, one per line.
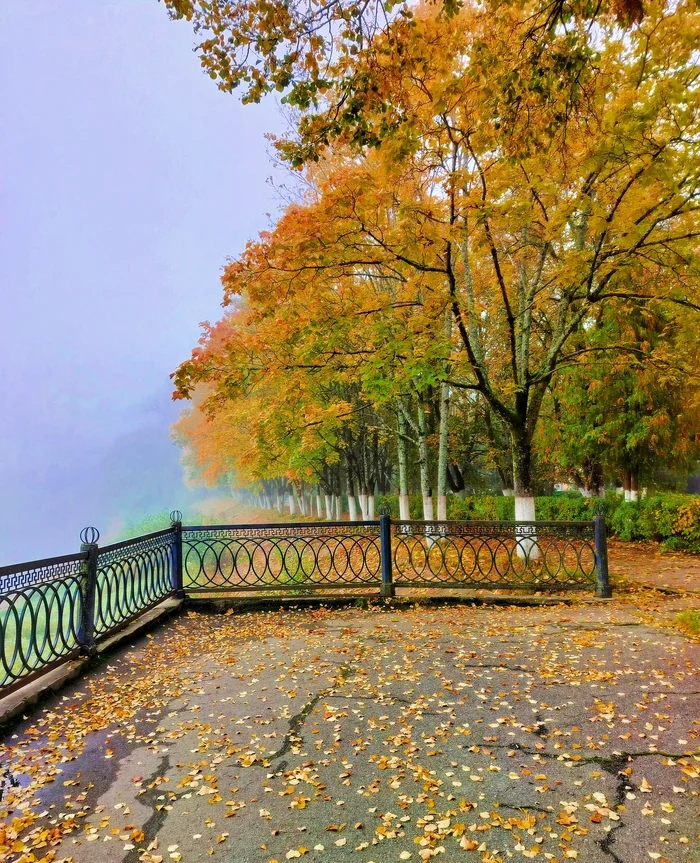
(527,548)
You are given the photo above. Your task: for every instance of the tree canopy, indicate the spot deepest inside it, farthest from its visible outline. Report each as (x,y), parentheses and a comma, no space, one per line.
(499,230)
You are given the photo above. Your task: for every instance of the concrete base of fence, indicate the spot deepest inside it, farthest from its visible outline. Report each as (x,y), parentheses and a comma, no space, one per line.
(21,700)
(402,599)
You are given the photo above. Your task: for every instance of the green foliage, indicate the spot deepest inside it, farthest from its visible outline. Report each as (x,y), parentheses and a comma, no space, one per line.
(688,621)
(673,519)
(148,523)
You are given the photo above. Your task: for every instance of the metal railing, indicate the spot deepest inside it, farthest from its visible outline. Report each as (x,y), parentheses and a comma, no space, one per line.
(56,609)
(253,557)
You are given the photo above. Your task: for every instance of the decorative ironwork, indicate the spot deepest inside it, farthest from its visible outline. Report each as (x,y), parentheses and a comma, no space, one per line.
(89,535)
(472,554)
(132,576)
(277,557)
(175,516)
(40,613)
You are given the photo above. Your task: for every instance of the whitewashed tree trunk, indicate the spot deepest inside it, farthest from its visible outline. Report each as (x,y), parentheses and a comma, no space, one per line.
(525,511)
(524,500)
(338,507)
(352,506)
(290,503)
(424,465)
(443,434)
(329,507)
(370,507)
(362,498)
(319,504)
(404,513)
(508,492)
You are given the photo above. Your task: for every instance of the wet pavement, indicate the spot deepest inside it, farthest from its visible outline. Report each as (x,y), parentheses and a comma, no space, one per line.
(370,735)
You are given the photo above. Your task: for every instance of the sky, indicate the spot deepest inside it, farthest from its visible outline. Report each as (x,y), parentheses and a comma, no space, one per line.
(126,180)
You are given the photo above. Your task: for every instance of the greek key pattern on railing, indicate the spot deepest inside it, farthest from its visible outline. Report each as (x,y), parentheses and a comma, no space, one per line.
(297,556)
(38,571)
(532,555)
(132,576)
(40,612)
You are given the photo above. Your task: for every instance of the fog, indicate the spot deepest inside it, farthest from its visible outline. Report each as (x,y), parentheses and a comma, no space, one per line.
(126,179)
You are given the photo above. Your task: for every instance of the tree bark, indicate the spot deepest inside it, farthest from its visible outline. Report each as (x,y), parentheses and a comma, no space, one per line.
(404,513)
(443,434)
(526,538)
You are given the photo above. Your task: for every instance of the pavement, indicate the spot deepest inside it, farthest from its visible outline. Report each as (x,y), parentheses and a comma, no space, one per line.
(371,735)
(644,563)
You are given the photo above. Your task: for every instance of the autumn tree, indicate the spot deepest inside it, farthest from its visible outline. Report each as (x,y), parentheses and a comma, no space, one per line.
(308,52)
(631,413)
(526,225)
(518,208)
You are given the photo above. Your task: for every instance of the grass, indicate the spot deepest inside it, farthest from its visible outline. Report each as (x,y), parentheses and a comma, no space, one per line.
(688,621)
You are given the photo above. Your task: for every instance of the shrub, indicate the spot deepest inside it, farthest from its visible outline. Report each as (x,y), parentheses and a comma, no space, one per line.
(673,519)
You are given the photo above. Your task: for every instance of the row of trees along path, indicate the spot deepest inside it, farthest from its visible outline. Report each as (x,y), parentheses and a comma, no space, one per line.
(487,265)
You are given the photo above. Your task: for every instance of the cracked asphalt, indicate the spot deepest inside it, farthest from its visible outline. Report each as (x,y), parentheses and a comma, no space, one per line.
(372,736)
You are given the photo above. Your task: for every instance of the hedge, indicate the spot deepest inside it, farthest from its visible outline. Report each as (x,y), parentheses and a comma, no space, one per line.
(672,519)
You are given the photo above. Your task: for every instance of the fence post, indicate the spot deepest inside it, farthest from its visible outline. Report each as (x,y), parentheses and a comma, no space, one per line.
(88,589)
(176,521)
(385,548)
(603,589)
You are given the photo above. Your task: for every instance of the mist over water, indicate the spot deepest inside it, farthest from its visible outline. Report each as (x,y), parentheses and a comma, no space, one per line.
(137,474)
(126,180)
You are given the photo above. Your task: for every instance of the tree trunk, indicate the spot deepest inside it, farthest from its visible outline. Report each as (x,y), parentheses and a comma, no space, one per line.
(329,507)
(404,513)
(338,508)
(526,538)
(443,434)
(319,503)
(634,494)
(370,507)
(424,465)
(627,484)
(290,502)
(442,452)
(362,497)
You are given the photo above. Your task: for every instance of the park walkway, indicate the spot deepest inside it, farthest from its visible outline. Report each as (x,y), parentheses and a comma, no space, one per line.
(644,563)
(370,735)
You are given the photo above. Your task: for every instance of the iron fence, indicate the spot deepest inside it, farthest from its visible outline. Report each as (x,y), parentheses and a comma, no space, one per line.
(132,576)
(495,554)
(255,557)
(40,615)
(53,610)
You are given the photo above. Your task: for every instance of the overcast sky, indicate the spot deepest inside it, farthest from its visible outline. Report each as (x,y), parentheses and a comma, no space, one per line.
(126,179)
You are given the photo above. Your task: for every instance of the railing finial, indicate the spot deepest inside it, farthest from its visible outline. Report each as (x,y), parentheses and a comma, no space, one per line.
(175,516)
(89,535)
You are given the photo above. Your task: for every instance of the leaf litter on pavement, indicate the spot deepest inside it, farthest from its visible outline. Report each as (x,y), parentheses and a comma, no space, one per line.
(455,732)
